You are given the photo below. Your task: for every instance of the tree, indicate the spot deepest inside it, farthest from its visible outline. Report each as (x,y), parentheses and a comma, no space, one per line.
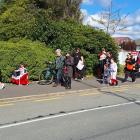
(61,9)
(37,20)
(111,21)
(129,45)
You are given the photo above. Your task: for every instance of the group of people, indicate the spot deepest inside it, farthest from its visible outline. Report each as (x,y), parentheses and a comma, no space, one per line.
(107,70)
(68,67)
(73,66)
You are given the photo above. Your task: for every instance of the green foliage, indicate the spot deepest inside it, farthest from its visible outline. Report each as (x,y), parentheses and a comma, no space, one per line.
(32,54)
(70,35)
(57,25)
(120,70)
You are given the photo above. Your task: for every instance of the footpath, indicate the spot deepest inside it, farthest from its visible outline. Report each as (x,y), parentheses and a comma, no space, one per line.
(12,91)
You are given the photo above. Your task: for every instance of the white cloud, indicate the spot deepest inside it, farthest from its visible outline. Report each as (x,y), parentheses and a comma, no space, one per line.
(89,2)
(132,23)
(133,19)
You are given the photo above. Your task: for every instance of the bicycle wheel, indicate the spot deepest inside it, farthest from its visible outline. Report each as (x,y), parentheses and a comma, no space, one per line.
(45,78)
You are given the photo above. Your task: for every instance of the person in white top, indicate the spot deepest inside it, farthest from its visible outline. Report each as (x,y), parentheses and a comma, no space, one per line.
(113,69)
(113,73)
(19,72)
(21,69)
(81,68)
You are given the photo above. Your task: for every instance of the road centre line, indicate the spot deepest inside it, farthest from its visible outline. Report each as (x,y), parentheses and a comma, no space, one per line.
(49,94)
(123,89)
(89,94)
(66,114)
(22,97)
(4,105)
(114,89)
(30,99)
(47,99)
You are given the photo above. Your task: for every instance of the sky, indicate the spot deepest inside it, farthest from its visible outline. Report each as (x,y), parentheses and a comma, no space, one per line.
(91,9)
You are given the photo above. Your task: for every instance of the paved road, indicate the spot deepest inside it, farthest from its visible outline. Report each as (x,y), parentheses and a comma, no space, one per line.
(106,114)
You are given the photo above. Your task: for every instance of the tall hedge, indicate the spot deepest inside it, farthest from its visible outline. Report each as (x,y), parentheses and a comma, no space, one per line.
(28,19)
(70,35)
(32,54)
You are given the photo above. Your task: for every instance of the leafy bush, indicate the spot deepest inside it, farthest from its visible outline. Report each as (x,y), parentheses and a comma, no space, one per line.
(120,70)
(32,54)
(70,35)
(31,20)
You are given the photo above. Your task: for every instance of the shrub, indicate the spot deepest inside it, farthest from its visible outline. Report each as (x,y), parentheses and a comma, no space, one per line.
(121,70)
(70,35)
(32,54)
(31,20)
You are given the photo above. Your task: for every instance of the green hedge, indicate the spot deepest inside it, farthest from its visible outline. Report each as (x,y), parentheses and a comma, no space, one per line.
(24,19)
(32,54)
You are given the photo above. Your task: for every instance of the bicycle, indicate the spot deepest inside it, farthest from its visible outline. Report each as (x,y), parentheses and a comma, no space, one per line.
(48,75)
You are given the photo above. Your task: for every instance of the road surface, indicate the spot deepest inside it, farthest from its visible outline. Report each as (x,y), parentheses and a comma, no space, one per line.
(111,113)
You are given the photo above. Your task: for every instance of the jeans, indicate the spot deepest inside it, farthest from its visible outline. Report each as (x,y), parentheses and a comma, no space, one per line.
(58,79)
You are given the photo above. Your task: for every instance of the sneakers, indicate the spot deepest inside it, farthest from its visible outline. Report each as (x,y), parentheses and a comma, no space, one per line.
(80,79)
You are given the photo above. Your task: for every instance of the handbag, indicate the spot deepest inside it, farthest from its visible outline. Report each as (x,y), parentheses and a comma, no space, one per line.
(65,70)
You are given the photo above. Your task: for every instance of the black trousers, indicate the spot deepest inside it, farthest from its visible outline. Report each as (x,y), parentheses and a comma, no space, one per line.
(132,74)
(67,82)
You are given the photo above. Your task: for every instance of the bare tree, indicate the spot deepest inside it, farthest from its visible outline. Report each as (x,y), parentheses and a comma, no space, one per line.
(111,21)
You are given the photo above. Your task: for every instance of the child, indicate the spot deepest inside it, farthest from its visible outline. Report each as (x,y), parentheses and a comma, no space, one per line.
(113,73)
(106,74)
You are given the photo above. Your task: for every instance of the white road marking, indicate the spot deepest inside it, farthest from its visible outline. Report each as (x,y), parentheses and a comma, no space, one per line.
(66,114)
(7,104)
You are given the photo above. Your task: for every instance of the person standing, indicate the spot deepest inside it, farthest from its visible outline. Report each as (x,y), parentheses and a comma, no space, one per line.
(81,68)
(129,68)
(108,59)
(113,72)
(68,70)
(59,63)
(106,74)
(102,60)
(77,57)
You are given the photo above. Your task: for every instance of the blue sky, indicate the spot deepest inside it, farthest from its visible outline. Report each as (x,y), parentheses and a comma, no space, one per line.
(92,8)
